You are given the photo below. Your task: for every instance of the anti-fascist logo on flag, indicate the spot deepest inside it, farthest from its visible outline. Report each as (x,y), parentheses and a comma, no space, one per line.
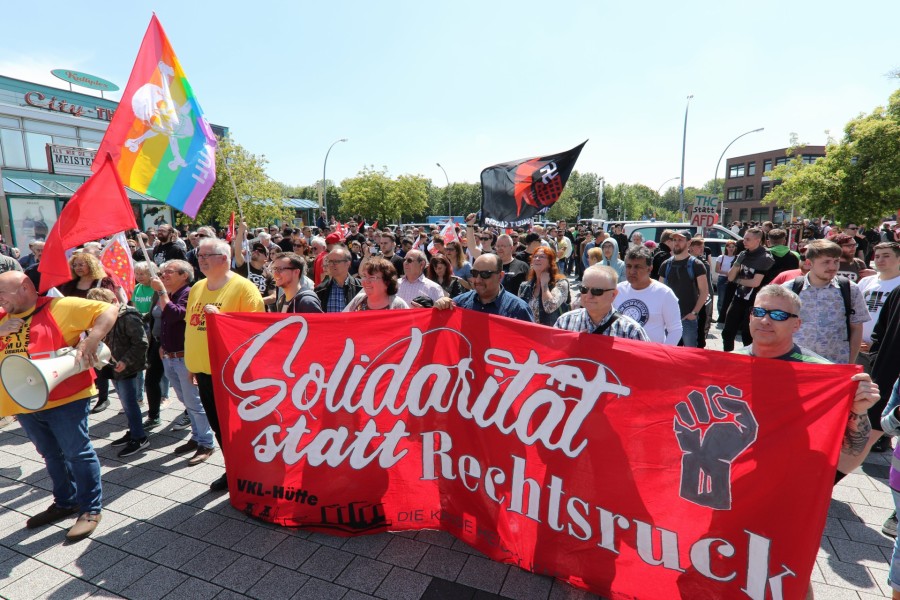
(515,192)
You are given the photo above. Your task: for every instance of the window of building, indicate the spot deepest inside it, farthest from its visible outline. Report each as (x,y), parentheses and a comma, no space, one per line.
(36,150)
(743,214)
(766,188)
(10,122)
(767,165)
(736,171)
(810,159)
(748,193)
(734,193)
(782,160)
(759,214)
(90,135)
(13,149)
(49,128)
(751,168)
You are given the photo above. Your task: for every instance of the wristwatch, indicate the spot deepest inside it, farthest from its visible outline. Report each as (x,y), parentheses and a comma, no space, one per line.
(695,313)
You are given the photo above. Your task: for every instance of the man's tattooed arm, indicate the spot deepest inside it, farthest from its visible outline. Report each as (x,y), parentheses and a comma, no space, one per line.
(857,434)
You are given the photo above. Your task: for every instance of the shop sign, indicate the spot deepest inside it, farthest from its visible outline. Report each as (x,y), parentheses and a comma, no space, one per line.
(69,160)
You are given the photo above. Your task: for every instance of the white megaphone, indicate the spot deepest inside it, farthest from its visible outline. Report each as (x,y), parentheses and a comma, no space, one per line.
(30,382)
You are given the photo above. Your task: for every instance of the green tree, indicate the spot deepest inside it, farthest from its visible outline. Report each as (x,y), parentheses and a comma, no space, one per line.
(464,198)
(374,195)
(578,198)
(260,196)
(857,181)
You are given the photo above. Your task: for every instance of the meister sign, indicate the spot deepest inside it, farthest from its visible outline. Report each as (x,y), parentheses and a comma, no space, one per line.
(69,160)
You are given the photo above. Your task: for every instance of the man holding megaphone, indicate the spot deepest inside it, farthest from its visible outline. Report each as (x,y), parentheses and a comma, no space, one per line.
(51,390)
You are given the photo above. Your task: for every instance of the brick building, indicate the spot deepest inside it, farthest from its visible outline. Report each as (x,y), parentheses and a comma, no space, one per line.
(746,183)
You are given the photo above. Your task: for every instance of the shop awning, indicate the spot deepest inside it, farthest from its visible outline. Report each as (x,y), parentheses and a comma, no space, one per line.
(22,186)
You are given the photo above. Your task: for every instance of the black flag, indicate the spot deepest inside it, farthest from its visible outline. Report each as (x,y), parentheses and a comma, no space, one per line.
(513,193)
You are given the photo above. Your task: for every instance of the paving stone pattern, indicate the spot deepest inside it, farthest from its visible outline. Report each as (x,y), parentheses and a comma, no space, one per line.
(165,535)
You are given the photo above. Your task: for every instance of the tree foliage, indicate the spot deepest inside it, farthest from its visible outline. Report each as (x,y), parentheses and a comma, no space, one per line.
(375,195)
(464,198)
(857,181)
(260,196)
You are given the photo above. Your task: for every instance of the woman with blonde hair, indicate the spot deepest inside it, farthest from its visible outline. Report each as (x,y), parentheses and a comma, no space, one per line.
(461,267)
(88,273)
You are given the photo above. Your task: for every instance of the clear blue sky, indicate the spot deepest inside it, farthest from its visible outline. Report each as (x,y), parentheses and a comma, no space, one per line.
(470,84)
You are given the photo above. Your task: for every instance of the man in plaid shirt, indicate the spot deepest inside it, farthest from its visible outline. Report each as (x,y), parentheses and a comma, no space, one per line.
(598,290)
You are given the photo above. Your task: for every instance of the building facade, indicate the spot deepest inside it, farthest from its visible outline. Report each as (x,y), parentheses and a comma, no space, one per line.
(747,183)
(48,140)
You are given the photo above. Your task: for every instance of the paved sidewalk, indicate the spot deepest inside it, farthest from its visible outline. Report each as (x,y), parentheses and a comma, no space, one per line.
(165,535)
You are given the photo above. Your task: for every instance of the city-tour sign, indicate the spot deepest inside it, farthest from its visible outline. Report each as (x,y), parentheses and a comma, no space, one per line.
(85,80)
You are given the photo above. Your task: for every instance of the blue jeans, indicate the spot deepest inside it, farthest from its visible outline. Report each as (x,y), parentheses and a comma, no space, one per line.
(187,392)
(61,436)
(127,389)
(689,332)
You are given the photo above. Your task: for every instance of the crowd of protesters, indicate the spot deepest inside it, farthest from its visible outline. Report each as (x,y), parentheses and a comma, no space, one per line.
(835,282)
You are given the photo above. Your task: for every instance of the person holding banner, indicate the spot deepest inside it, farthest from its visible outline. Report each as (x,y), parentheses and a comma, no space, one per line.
(489,296)
(29,326)
(222,291)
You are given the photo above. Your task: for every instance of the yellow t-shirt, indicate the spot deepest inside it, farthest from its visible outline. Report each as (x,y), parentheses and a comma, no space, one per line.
(73,316)
(237,295)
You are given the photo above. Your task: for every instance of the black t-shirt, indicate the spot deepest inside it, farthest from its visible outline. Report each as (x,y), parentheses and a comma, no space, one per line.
(514,274)
(757,262)
(675,274)
(168,251)
(263,280)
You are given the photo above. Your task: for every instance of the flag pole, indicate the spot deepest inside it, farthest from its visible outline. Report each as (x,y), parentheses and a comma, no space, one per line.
(234,187)
(152,265)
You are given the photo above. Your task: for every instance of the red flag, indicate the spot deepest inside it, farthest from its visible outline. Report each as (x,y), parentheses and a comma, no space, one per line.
(99,208)
(230,234)
(448,233)
(375,225)
(116,259)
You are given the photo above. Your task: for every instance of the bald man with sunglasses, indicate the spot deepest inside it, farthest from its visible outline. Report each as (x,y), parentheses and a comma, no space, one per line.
(597,315)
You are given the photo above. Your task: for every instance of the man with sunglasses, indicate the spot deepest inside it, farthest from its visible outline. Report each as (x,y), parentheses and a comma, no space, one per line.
(414,283)
(774,320)
(489,296)
(597,315)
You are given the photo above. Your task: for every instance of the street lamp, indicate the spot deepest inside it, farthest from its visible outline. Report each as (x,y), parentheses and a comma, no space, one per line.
(683,147)
(600,199)
(716,176)
(664,183)
(324,202)
(449,209)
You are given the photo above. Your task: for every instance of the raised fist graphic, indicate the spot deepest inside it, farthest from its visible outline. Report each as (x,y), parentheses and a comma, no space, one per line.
(712,430)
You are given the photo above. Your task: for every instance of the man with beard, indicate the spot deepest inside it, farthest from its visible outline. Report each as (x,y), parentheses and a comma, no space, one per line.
(489,296)
(289,269)
(851,266)
(254,269)
(167,249)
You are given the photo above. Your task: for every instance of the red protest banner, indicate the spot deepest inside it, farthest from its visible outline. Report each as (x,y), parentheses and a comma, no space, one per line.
(633,470)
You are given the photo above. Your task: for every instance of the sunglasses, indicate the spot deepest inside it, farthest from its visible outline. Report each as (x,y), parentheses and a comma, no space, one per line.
(594,291)
(283,269)
(483,274)
(775,315)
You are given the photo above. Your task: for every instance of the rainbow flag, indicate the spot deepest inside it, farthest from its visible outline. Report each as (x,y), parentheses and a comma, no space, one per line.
(160,141)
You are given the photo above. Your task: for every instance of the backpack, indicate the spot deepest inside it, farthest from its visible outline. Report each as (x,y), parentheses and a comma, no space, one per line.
(690,267)
(843,284)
